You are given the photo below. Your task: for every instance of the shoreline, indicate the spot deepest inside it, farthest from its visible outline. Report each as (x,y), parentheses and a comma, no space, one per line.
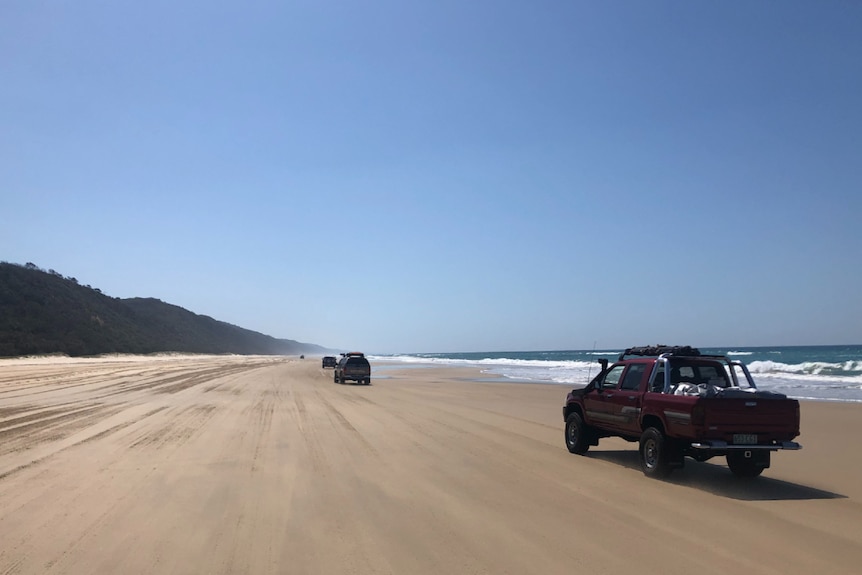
(482,376)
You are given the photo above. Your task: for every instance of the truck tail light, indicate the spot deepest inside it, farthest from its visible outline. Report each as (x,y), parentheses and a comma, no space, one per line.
(797,417)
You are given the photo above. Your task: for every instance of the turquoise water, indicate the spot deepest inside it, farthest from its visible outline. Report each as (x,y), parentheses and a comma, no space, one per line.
(804,372)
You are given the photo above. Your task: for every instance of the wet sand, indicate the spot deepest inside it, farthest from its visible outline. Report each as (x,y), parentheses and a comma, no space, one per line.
(264,465)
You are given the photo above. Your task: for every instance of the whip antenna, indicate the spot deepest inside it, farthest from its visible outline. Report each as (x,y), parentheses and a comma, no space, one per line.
(590,369)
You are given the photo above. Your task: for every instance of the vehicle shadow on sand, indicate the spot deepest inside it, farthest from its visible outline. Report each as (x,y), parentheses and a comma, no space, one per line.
(716,478)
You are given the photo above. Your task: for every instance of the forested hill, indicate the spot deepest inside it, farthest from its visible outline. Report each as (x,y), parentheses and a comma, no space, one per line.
(43,312)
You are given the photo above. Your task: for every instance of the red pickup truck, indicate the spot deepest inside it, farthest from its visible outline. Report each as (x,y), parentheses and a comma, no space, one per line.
(676,402)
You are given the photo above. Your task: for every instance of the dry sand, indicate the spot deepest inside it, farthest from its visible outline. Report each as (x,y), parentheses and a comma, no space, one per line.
(264,465)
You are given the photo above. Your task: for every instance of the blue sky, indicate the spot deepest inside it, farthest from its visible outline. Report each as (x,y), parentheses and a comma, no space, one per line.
(402,176)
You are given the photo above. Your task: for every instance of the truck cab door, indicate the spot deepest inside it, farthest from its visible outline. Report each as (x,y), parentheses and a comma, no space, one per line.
(625,402)
(597,404)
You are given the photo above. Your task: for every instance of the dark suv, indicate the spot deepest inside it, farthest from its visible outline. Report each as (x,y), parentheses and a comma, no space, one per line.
(352,366)
(329,361)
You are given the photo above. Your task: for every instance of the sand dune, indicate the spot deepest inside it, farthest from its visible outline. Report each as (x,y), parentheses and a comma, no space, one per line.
(264,465)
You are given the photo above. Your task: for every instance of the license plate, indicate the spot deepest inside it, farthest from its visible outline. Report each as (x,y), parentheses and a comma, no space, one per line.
(745,438)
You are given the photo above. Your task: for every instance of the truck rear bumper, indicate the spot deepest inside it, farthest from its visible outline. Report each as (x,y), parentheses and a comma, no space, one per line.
(716,445)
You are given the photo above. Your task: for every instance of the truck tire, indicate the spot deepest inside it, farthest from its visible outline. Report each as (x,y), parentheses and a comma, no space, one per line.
(576,434)
(654,454)
(742,466)
(335,376)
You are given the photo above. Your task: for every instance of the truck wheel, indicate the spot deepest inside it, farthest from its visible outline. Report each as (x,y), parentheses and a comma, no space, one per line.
(654,454)
(335,376)
(576,436)
(752,466)
(367,381)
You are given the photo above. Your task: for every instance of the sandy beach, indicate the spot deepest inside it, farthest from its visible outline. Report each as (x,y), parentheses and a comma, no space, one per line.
(264,465)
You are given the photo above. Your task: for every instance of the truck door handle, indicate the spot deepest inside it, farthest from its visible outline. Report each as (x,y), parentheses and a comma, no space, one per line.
(632,397)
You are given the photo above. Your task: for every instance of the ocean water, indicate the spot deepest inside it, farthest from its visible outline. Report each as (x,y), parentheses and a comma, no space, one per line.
(828,373)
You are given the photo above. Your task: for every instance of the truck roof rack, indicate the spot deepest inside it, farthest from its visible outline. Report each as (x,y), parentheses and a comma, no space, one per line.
(656,350)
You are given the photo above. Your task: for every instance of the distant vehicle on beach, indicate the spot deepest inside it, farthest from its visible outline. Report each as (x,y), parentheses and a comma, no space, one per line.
(352,366)
(329,361)
(676,403)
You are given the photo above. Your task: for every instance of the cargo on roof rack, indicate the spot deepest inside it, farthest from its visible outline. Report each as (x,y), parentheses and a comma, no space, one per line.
(656,350)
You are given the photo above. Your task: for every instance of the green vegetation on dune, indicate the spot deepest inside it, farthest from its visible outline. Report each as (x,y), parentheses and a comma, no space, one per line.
(42,312)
